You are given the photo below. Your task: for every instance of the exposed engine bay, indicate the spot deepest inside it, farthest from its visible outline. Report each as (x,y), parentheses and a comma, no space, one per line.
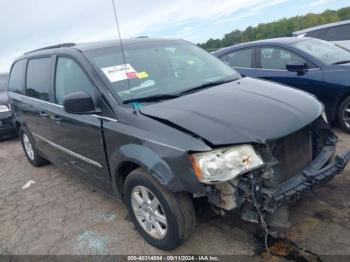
(292,166)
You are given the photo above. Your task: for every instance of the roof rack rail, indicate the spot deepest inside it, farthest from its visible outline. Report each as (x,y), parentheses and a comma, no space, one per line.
(52,47)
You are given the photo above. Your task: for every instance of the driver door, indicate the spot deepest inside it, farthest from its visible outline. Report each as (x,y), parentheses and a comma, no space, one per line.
(78,137)
(272,62)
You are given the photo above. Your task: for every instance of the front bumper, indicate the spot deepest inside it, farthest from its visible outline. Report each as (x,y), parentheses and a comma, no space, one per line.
(316,173)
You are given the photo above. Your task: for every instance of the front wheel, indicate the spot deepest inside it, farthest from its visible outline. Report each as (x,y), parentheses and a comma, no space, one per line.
(163,218)
(344,114)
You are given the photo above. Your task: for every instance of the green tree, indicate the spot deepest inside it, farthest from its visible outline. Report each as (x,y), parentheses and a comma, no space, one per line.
(281,28)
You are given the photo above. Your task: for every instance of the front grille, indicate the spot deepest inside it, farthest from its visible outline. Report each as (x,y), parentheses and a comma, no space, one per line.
(293,152)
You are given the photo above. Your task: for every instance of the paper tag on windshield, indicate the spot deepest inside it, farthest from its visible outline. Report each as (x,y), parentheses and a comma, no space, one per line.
(119,72)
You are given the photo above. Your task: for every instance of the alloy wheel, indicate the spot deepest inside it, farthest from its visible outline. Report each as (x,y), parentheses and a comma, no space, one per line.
(28,146)
(149,212)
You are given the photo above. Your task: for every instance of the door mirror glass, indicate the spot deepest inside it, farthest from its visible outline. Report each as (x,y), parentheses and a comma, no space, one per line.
(79,103)
(296,66)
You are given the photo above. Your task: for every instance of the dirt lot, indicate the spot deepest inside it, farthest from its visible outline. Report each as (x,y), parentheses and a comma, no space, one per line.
(61,215)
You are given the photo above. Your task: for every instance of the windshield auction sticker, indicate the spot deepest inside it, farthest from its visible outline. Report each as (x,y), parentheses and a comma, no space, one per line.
(119,72)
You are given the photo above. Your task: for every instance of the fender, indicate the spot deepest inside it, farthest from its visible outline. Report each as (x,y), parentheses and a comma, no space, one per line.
(148,159)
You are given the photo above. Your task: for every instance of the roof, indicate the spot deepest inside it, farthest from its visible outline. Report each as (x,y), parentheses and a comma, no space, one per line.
(96,45)
(300,32)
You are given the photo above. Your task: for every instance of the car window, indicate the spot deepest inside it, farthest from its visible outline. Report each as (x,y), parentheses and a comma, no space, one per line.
(338,33)
(240,58)
(278,58)
(16,81)
(70,78)
(38,78)
(316,33)
(157,68)
(327,52)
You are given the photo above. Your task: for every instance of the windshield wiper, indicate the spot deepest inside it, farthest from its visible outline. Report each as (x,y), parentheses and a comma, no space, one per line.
(207,85)
(154,98)
(341,62)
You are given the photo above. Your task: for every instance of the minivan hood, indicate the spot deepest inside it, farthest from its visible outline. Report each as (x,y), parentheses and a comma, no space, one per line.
(246,110)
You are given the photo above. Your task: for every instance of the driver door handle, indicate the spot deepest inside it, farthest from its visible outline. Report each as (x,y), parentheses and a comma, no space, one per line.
(57,119)
(44,114)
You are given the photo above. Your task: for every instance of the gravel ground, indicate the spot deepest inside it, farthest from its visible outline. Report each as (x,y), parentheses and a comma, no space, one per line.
(59,214)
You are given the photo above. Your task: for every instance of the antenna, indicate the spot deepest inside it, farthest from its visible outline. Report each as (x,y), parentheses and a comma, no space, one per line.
(122,47)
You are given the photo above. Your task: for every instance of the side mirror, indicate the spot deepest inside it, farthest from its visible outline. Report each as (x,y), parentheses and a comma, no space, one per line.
(298,67)
(79,103)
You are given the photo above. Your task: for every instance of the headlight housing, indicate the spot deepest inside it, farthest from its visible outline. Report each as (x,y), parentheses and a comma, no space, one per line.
(4,108)
(224,164)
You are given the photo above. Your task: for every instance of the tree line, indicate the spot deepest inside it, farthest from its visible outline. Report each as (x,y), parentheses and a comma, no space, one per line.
(280,28)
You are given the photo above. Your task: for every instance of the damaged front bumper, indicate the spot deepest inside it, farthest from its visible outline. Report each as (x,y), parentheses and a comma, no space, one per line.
(314,174)
(262,194)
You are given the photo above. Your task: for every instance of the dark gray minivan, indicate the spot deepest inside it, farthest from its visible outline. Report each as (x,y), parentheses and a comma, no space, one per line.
(159,123)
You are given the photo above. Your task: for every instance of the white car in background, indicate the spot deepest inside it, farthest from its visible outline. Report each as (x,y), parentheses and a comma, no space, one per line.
(338,33)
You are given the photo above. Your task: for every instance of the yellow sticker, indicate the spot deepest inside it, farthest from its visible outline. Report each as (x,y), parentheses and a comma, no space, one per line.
(142,75)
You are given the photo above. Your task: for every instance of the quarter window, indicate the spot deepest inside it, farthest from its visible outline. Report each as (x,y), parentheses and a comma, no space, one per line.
(38,78)
(241,58)
(70,78)
(278,58)
(16,82)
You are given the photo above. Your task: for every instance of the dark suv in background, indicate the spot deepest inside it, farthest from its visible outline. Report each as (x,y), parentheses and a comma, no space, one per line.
(159,123)
(6,125)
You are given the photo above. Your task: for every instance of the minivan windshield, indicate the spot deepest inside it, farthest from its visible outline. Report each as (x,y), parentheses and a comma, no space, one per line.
(328,53)
(159,69)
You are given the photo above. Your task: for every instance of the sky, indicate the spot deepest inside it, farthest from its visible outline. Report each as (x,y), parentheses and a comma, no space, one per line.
(30,24)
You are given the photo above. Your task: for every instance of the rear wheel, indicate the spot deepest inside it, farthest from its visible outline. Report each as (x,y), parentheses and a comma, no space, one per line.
(163,218)
(344,114)
(30,151)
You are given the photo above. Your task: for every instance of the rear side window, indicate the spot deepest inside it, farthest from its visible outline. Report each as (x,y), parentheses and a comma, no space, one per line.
(70,78)
(241,58)
(38,78)
(16,81)
(338,33)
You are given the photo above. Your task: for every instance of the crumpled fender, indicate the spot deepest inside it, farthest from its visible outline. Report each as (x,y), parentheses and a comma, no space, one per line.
(145,157)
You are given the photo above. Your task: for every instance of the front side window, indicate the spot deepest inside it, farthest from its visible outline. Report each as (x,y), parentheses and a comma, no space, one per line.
(316,33)
(324,51)
(38,78)
(70,78)
(17,75)
(240,58)
(338,33)
(158,68)
(277,58)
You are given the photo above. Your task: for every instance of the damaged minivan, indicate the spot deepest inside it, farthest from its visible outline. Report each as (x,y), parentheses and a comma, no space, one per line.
(159,123)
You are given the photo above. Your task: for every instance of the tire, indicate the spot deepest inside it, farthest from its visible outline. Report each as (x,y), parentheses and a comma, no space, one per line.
(343,114)
(30,150)
(177,208)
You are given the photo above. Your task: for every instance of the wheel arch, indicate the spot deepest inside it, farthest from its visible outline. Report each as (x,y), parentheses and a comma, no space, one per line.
(339,102)
(130,157)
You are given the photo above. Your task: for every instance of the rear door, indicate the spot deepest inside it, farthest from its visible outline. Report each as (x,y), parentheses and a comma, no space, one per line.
(78,138)
(272,62)
(36,105)
(242,60)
